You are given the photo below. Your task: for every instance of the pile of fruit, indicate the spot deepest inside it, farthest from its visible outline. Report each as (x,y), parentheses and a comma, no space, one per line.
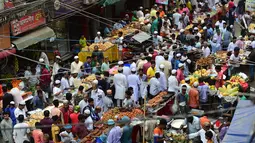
(238,81)
(202,72)
(32,122)
(90,78)
(101,46)
(229,90)
(117,113)
(205,61)
(178,138)
(156,100)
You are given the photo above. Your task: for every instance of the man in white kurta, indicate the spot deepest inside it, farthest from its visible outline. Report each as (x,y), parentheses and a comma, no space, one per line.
(173,83)
(76,65)
(159,59)
(162,79)
(134,82)
(56,66)
(155,85)
(65,83)
(97,94)
(120,82)
(21,130)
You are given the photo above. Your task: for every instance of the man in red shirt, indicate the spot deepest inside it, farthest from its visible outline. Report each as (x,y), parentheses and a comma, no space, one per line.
(231,4)
(45,79)
(66,111)
(74,116)
(147,65)
(180,75)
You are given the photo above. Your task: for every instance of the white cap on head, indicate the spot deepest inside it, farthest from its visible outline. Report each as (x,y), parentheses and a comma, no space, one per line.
(161,66)
(204,28)
(95,82)
(150,55)
(240,37)
(12,102)
(182,30)
(120,68)
(58,57)
(173,71)
(178,55)
(22,103)
(188,61)
(76,57)
(184,58)
(216,24)
(194,49)
(120,63)
(180,65)
(41,60)
(87,112)
(133,70)
(142,23)
(155,5)
(57,82)
(141,7)
(224,21)
(214,39)
(155,32)
(186,79)
(195,28)
(98,33)
(65,101)
(231,26)
(173,29)
(195,84)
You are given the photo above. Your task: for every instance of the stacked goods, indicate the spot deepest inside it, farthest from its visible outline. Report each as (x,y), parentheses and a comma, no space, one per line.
(228,91)
(90,78)
(202,72)
(239,81)
(205,61)
(156,100)
(178,138)
(117,113)
(221,56)
(101,46)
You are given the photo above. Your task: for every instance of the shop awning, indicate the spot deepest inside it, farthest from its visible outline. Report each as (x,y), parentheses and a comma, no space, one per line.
(6,53)
(141,37)
(34,37)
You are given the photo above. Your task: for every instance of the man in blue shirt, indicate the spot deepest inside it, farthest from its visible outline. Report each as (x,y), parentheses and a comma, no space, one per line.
(203,93)
(38,101)
(87,65)
(11,108)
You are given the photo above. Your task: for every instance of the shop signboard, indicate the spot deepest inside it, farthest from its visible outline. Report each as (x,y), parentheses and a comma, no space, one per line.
(27,22)
(5,41)
(250,5)
(165,2)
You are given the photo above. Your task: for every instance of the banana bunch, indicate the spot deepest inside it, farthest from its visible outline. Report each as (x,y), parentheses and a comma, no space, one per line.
(193,79)
(235,80)
(229,90)
(212,87)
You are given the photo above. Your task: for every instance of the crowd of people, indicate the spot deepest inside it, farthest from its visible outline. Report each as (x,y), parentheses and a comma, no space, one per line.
(161,68)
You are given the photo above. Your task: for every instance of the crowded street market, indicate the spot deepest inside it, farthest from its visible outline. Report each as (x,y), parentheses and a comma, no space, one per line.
(174,71)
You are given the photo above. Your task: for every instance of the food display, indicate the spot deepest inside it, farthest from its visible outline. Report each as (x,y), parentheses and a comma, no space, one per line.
(221,56)
(178,138)
(157,99)
(101,46)
(119,113)
(228,91)
(90,78)
(205,61)
(239,81)
(202,72)
(251,28)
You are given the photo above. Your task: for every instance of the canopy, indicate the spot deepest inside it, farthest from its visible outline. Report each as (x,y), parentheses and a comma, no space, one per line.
(34,37)
(141,37)
(242,124)
(6,53)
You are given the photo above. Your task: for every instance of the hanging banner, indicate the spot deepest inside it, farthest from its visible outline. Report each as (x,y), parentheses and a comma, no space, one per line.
(165,2)
(250,5)
(27,22)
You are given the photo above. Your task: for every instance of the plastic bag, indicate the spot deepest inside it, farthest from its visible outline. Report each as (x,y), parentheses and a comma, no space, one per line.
(175,106)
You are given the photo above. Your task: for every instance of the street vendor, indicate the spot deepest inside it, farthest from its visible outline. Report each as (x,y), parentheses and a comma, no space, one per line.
(98,38)
(235,60)
(193,124)
(57,92)
(173,82)
(99,54)
(20,110)
(97,94)
(158,133)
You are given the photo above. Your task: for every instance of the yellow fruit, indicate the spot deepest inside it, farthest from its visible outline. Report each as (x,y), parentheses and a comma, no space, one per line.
(229,87)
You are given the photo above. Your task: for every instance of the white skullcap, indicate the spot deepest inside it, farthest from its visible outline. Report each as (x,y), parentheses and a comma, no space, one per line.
(186,79)
(180,65)
(120,68)
(120,63)
(58,57)
(98,33)
(240,37)
(142,23)
(133,70)
(173,29)
(57,82)
(150,55)
(76,57)
(204,28)
(184,58)
(178,55)
(22,103)
(216,24)
(161,66)
(224,21)
(155,5)
(214,39)
(140,7)
(188,61)
(194,49)
(231,26)
(195,28)
(182,30)
(155,32)
(173,71)
(65,101)
(12,102)
(195,84)
(41,60)
(87,112)
(95,82)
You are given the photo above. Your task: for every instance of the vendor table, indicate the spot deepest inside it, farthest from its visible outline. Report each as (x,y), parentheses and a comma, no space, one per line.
(111,53)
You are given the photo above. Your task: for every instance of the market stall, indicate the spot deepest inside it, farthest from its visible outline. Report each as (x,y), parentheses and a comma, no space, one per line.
(241,128)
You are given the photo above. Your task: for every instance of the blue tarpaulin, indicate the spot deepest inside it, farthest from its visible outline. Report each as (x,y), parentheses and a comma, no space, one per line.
(242,124)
